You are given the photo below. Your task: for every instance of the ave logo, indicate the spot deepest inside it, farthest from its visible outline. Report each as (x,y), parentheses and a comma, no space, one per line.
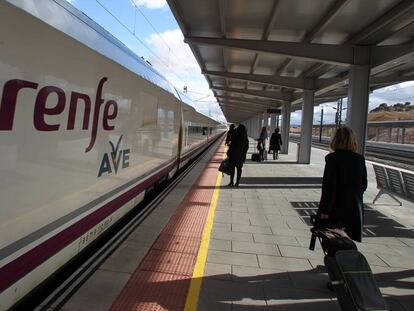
(111,162)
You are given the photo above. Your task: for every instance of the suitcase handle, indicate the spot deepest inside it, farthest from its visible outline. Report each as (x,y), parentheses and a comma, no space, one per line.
(312,242)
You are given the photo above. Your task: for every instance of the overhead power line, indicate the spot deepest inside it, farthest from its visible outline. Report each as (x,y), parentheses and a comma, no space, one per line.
(142,42)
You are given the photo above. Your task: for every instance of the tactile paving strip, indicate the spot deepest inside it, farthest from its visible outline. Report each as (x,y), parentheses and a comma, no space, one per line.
(162,279)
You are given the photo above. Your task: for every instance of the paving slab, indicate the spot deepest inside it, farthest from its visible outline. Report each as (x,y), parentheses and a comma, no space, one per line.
(284,263)
(255,248)
(220,245)
(218,271)
(232,258)
(299,252)
(251,229)
(274,239)
(233,236)
(286,275)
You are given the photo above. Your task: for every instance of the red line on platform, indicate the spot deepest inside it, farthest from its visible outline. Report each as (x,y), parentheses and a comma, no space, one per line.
(162,279)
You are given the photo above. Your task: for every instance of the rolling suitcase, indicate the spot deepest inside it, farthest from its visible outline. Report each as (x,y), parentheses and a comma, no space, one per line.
(255,157)
(350,274)
(353,282)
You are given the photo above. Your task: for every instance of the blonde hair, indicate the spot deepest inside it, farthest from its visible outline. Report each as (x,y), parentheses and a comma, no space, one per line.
(344,139)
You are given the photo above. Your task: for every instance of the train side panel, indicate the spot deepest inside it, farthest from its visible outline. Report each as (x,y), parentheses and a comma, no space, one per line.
(81,138)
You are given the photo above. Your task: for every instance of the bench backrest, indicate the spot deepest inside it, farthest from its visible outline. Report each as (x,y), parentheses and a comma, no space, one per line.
(395,181)
(408,179)
(381,177)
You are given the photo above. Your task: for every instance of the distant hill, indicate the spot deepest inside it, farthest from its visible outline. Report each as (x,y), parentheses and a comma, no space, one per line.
(396,134)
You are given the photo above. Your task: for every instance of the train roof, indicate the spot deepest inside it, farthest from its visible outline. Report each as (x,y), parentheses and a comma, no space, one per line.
(64,17)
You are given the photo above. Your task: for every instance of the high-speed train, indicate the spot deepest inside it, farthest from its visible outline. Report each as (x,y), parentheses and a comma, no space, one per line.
(86,127)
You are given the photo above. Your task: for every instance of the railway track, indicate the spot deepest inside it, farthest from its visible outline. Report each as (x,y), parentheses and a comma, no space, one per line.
(398,155)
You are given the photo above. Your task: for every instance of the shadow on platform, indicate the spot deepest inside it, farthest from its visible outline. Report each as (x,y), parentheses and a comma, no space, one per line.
(280,183)
(270,162)
(376,224)
(287,291)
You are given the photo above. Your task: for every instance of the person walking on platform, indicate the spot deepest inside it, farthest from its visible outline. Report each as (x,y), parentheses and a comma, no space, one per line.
(344,182)
(237,153)
(275,143)
(261,143)
(230,134)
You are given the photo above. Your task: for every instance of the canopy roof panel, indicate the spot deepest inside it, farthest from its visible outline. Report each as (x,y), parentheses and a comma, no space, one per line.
(269,51)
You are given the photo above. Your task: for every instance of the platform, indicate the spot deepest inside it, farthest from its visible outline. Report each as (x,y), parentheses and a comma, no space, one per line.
(256,256)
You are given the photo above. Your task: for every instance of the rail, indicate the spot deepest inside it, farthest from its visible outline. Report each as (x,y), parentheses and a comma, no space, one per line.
(396,131)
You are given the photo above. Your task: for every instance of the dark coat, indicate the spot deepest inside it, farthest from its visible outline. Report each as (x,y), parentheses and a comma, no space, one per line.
(275,141)
(344,182)
(230,135)
(238,149)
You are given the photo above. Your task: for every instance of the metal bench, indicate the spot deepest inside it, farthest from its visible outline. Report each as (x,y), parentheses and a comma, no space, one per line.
(395,183)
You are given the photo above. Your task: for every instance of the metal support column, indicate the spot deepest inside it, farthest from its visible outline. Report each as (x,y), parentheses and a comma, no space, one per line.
(265,118)
(285,128)
(304,152)
(249,127)
(358,97)
(274,122)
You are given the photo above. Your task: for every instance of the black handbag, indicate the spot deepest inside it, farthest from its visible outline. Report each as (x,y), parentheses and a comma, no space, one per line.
(331,240)
(226,167)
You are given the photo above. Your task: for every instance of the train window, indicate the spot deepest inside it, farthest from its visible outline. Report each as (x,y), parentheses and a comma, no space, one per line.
(161,116)
(148,110)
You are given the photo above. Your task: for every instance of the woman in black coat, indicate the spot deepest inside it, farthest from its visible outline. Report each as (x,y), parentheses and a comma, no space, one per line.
(261,143)
(237,152)
(230,135)
(275,143)
(344,182)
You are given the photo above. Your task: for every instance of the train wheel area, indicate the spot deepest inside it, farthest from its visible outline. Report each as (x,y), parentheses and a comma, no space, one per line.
(208,246)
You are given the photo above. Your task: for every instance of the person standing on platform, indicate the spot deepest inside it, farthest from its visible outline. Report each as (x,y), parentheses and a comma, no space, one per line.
(261,143)
(230,134)
(275,143)
(237,153)
(344,182)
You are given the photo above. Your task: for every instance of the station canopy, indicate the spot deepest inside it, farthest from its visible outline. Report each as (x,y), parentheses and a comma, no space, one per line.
(260,54)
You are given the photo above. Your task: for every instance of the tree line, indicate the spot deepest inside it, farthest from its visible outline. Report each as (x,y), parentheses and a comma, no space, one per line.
(396,107)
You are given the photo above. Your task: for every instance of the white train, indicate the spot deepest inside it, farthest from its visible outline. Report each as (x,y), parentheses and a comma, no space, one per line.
(86,127)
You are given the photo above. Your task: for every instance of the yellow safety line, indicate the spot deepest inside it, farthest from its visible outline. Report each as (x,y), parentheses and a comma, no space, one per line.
(198,273)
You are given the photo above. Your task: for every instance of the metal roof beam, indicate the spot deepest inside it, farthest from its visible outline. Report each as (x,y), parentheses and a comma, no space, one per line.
(325,92)
(271,22)
(222,13)
(325,20)
(335,94)
(282,96)
(237,112)
(325,53)
(383,21)
(393,54)
(295,83)
(287,82)
(390,79)
(239,107)
(267,103)
(244,105)
(320,25)
(269,26)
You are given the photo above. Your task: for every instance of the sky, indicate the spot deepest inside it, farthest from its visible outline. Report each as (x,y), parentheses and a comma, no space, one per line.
(149,29)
